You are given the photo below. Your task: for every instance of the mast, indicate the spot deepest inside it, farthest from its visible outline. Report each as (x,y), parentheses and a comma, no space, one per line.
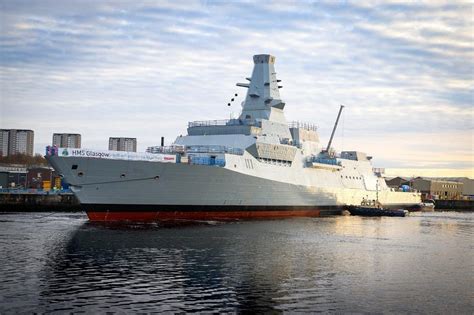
(263,99)
(334,129)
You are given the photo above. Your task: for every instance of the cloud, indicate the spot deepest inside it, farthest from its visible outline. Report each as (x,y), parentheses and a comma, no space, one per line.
(144,69)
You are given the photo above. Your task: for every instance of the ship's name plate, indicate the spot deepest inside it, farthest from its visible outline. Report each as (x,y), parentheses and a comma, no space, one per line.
(117,155)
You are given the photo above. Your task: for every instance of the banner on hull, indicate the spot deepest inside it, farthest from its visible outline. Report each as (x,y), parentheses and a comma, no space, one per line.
(112,155)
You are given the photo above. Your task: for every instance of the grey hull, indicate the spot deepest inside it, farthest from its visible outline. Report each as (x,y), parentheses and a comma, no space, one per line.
(140,186)
(144,183)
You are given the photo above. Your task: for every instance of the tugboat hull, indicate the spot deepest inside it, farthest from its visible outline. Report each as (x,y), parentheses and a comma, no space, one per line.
(377,212)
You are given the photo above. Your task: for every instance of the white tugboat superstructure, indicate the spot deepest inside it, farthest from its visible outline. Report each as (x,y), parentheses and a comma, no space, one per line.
(256,165)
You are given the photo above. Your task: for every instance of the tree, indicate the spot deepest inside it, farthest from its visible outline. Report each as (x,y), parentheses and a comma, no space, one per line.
(24,159)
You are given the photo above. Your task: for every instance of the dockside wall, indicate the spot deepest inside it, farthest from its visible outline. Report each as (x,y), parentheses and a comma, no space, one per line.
(38,202)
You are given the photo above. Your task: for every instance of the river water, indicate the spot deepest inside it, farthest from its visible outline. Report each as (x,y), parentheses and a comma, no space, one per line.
(60,262)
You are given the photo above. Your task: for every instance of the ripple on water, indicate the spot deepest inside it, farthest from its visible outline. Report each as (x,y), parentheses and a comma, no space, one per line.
(61,263)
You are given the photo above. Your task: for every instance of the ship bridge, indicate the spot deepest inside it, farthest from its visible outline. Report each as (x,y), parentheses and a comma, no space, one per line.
(262,111)
(261,126)
(239,126)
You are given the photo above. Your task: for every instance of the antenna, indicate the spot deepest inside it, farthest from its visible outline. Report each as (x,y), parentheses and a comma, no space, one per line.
(231,114)
(232,99)
(334,129)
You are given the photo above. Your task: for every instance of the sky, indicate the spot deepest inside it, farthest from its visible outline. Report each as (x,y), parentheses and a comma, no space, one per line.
(404,71)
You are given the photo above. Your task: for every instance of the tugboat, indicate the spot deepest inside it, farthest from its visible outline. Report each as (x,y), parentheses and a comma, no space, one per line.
(375,210)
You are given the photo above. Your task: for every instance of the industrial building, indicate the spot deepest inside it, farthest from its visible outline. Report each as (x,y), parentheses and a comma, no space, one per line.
(37,176)
(34,177)
(13,176)
(433,188)
(397,182)
(16,141)
(436,188)
(123,144)
(67,140)
(467,187)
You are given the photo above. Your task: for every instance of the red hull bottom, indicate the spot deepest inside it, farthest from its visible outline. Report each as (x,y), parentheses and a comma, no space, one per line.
(195,215)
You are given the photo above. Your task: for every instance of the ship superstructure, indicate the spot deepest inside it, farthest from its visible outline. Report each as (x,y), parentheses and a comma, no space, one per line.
(256,165)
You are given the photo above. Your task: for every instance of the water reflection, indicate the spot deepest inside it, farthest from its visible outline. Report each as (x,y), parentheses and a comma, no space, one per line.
(335,264)
(154,268)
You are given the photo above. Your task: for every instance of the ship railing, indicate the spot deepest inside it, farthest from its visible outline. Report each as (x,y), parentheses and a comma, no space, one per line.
(207,123)
(214,149)
(248,122)
(206,160)
(328,161)
(172,149)
(303,125)
(224,122)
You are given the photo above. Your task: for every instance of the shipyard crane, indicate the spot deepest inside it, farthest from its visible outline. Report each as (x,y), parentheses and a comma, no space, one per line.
(334,129)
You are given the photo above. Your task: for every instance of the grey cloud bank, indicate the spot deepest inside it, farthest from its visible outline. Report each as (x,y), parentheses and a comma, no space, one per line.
(143,69)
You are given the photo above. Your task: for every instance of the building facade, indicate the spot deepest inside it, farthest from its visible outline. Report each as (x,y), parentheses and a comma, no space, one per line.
(123,144)
(16,141)
(38,175)
(437,188)
(467,187)
(67,140)
(13,177)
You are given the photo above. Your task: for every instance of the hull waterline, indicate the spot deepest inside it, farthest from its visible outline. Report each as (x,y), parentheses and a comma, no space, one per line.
(200,215)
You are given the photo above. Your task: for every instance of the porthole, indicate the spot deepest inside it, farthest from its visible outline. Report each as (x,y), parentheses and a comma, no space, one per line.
(157,177)
(80,174)
(122,176)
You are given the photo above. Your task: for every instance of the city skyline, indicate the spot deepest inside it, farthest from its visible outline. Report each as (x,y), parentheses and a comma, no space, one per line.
(123,144)
(67,140)
(403,71)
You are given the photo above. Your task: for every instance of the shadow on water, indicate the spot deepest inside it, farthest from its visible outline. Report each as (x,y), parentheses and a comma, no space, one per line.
(179,266)
(334,264)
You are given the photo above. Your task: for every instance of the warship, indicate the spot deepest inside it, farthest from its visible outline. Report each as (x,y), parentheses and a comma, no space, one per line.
(255,166)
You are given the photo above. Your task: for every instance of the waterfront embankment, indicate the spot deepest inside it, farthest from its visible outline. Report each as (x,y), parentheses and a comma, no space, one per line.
(27,201)
(454,205)
(33,200)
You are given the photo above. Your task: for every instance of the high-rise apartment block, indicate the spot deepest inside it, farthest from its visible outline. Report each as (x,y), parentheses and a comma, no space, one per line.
(123,144)
(67,140)
(15,141)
